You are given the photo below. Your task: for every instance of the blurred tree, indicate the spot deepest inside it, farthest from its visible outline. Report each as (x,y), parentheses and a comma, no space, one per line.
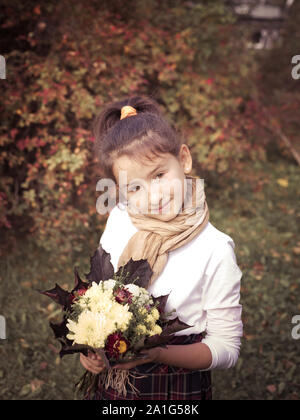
(65,60)
(279,91)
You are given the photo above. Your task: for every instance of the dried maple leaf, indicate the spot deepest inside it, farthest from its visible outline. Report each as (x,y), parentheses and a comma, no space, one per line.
(101,267)
(138,271)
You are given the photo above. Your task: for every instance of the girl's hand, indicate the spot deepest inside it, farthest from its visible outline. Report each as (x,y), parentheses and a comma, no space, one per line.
(151,356)
(93,362)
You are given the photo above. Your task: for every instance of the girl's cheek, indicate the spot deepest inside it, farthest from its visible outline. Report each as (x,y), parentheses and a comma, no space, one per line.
(137,203)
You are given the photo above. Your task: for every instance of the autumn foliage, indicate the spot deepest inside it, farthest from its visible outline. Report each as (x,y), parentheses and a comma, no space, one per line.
(66,59)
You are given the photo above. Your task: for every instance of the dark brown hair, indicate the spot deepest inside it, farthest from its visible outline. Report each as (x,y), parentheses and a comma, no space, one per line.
(140,137)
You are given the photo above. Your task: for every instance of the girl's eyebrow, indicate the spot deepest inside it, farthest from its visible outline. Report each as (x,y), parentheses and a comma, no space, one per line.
(153,170)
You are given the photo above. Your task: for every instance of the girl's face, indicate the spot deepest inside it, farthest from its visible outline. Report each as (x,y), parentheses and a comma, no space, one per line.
(154,187)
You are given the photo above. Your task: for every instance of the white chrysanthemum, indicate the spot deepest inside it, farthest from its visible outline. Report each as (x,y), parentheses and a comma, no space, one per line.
(109,284)
(121,315)
(91,329)
(140,293)
(102,315)
(135,290)
(96,290)
(97,299)
(102,303)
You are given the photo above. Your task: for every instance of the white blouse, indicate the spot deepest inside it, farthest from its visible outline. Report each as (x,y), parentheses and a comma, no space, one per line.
(203,280)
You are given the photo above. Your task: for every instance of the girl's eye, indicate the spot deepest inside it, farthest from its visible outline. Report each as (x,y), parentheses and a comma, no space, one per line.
(158,175)
(134,188)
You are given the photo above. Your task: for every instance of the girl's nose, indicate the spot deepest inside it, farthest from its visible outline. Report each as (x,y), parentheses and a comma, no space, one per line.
(155,201)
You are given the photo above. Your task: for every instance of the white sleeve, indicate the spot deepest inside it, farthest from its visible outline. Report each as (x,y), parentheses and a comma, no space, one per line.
(224,327)
(116,234)
(105,239)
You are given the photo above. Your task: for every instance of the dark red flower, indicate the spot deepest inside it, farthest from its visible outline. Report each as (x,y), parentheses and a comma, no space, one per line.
(81,292)
(116,344)
(123,295)
(76,294)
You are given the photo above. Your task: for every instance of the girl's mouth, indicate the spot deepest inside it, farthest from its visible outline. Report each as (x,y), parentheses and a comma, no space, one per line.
(162,207)
(159,209)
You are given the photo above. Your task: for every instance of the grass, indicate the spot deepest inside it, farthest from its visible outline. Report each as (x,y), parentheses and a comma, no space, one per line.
(260,214)
(262,220)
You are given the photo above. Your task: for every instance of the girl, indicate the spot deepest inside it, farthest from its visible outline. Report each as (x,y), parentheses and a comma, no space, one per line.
(158,218)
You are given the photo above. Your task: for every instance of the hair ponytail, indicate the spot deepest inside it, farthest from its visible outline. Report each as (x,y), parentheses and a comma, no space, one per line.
(111,114)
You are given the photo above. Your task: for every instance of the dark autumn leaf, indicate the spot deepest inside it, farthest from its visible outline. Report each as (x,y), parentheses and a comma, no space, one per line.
(79,284)
(101,267)
(60,330)
(69,350)
(162,302)
(168,331)
(174,325)
(157,340)
(59,295)
(139,270)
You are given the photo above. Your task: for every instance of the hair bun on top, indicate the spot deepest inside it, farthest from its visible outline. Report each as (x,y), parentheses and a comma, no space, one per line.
(127,111)
(112,112)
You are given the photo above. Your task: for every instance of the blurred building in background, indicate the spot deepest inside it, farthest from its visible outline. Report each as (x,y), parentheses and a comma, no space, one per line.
(265,17)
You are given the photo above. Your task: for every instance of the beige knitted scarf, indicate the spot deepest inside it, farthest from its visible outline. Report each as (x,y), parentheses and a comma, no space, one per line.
(155,238)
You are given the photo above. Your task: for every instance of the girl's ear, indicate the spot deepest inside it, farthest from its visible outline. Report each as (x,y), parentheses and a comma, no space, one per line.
(185,158)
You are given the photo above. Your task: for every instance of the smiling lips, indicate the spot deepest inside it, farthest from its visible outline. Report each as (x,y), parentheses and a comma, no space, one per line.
(160,208)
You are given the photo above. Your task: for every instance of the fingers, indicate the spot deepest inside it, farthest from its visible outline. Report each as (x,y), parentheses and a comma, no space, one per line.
(94,356)
(94,363)
(133,363)
(92,367)
(91,363)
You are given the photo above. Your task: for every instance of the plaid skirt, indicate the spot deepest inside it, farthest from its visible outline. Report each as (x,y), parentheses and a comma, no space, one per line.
(164,382)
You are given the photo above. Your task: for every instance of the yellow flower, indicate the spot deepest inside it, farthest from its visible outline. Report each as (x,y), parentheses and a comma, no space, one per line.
(156,330)
(155,314)
(150,319)
(141,329)
(122,346)
(143,311)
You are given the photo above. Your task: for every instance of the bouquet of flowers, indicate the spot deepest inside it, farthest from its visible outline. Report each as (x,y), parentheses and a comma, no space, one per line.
(113,315)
